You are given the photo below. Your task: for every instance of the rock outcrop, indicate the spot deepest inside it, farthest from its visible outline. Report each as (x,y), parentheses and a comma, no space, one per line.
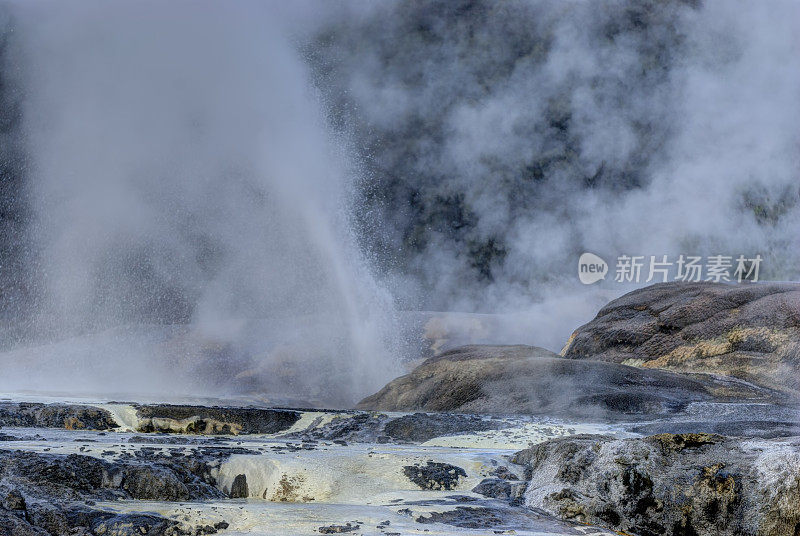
(44,494)
(685,484)
(68,416)
(151,418)
(534,381)
(748,331)
(434,475)
(184,419)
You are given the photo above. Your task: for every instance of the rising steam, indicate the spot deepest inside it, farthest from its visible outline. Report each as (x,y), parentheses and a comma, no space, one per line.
(504,139)
(180,172)
(194,220)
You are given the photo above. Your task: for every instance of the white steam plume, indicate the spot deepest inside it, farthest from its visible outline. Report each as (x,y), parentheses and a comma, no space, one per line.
(180,171)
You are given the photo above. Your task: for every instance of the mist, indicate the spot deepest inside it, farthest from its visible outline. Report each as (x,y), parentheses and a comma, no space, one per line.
(505,139)
(180,173)
(255,198)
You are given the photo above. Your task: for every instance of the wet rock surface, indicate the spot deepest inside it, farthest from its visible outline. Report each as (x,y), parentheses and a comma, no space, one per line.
(239,488)
(746,331)
(669,484)
(503,484)
(463,488)
(465,516)
(348,427)
(150,418)
(495,518)
(339,529)
(85,483)
(498,488)
(679,364)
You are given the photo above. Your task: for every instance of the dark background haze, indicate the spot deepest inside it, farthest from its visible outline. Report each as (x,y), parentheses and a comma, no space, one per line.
(502,139)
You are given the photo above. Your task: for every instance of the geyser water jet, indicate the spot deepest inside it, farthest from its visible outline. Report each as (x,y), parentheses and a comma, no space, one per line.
(180,173)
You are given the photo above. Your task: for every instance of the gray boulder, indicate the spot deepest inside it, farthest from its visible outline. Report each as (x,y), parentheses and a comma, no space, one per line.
(434,475)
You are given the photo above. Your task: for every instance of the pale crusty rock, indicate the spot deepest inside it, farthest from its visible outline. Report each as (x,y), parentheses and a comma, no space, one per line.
(683,484)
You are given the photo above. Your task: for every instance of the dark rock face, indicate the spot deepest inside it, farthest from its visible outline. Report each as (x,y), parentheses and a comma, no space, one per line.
(747,331)
(504,519)
(134,525)
(339,529)
(13,501)
(530,380)
(41,519)
(503,484)
(466,517)
(345,427)
(498,488)
(211,420)
(434,475)
(360,427)
(153,418)
(420,427)
(77,477)
(154,483)
(16,525)
(669,484)
(49,494)
(239,489)
(69,416)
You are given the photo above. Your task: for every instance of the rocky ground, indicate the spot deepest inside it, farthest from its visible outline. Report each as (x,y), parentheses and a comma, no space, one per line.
(675,411)
(359,472)
(379,473)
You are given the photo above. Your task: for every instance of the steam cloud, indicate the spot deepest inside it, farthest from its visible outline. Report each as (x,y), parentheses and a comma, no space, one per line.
(170,165)
(180,172)
(503,139)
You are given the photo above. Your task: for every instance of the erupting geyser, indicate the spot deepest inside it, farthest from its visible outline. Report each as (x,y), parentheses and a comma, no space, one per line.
(180,174)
